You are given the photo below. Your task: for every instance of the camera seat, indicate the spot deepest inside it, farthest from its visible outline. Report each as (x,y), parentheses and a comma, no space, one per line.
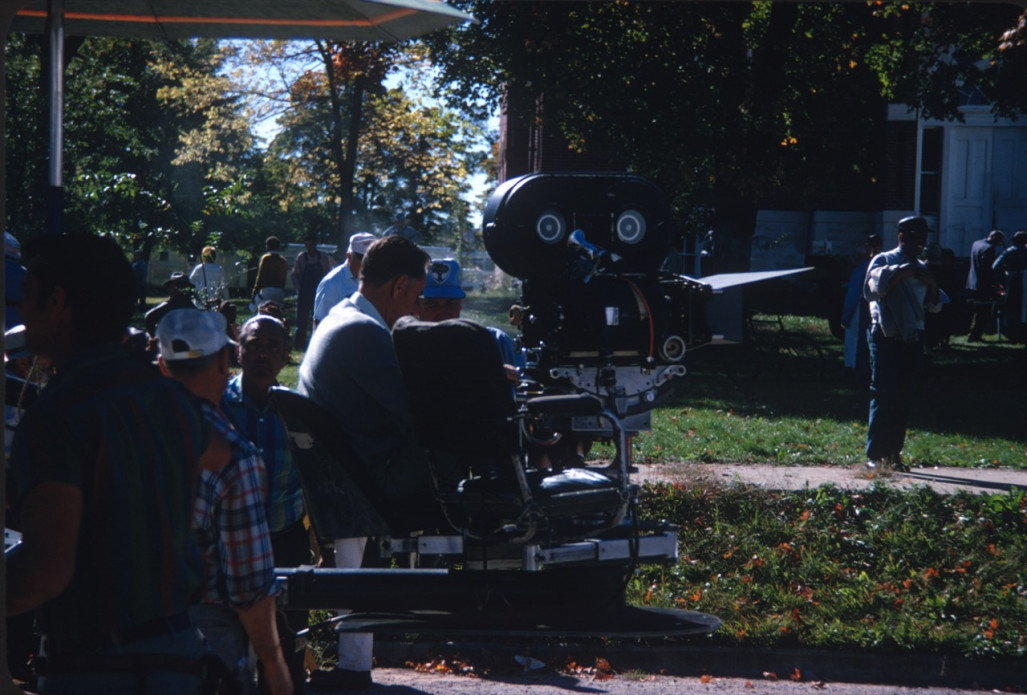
(465,413)
(340,493)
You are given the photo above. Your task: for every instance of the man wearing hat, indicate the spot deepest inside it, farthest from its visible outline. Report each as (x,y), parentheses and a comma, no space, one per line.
(341,281)
(179,289)
(229,517)
(900,289)
(443,298)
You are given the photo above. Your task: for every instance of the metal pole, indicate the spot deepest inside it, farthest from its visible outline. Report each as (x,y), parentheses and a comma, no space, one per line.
(55,176)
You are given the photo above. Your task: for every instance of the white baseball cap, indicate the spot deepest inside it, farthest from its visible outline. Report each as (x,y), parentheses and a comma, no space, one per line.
(360,242)
(189,334)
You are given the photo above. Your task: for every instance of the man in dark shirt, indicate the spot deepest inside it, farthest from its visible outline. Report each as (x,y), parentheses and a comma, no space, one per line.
(179,297)
(981,282)
(106,462)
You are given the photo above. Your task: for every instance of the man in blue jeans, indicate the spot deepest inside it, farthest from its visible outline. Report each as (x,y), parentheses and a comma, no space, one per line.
(900,289)
(105,462)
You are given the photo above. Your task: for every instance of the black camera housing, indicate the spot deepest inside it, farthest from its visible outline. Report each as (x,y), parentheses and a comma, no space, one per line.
(599,315)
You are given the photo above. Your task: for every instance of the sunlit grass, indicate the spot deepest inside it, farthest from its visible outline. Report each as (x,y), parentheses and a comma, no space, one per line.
(826,567)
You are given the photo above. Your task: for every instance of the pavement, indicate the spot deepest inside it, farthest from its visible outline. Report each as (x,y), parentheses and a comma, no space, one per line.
(944,480)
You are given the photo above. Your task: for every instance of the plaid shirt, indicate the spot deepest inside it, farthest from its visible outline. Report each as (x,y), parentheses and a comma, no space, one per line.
(265,430)
(230,525)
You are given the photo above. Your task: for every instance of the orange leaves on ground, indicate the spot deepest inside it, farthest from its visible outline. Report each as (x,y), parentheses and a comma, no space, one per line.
(455,666)
(770,675)
(602,670)
(705,678)
(696,595)
(992,628)
(796,675)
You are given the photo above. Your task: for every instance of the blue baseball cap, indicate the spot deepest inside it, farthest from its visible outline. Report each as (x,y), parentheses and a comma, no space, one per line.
(443,280)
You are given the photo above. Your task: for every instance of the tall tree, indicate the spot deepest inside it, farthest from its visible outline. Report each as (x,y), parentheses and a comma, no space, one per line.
(351,151)
(722,104)
(153,147)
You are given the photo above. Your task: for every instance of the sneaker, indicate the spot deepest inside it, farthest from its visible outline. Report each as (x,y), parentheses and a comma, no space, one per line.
(873,465)
(339,679)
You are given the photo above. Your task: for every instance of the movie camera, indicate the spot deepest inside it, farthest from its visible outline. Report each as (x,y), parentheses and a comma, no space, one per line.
(529,539)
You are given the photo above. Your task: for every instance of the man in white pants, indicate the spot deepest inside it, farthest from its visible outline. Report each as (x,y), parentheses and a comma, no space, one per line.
(351,368)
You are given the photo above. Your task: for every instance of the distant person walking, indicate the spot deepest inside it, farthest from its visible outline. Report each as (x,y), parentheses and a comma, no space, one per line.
(982,282)
(900,289)
(402,228)
(272,272)
(1011,267)
(311,265)
(139,271)
(209,279)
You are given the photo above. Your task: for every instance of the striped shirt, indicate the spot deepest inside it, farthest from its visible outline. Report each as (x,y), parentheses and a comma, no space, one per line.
(229,521)
(263,427)
(130,440)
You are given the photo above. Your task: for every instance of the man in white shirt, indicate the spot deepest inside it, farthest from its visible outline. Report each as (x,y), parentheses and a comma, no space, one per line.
(341,281)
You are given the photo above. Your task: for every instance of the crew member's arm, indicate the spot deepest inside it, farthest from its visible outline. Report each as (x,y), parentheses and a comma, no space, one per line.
(247,561)
(258,621)
(259,281)
(41,567)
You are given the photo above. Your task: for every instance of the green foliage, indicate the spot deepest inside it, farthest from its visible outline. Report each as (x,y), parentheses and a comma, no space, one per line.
(726,104)
(351,151)
(825,567)
(152,146)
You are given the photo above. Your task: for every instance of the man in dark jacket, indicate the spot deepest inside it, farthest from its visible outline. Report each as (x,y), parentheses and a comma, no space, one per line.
(981,282)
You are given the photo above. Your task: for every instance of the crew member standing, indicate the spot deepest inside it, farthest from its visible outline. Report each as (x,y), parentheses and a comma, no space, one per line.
(900,289)
(311,265)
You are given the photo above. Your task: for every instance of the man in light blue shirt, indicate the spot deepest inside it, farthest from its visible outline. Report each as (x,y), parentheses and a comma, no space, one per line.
(341,281)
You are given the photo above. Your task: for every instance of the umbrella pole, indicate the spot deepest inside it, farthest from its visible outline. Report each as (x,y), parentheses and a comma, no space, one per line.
(55,179)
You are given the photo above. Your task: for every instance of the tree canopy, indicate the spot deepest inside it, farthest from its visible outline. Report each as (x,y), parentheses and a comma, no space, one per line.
(725,105)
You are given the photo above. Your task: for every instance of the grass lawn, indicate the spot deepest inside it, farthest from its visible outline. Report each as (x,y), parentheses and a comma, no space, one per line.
(876,569)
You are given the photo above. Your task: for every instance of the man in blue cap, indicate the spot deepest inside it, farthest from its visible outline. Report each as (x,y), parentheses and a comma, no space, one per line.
(443,298)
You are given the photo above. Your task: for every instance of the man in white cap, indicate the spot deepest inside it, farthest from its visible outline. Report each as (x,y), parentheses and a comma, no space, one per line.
(341,281)
(229,517)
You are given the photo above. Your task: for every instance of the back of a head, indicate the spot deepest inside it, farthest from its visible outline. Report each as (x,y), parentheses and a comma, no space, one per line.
(189,339)
(96,277)
(1020,239)
(391,257)
(996,236)
(272,243)
(209,254)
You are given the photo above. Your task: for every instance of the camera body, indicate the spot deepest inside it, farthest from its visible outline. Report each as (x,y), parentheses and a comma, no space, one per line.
(598,313)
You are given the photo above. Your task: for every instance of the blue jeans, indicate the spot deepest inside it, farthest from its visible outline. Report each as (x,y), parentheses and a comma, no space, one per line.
(894,366)
(187,643)
(226,638)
